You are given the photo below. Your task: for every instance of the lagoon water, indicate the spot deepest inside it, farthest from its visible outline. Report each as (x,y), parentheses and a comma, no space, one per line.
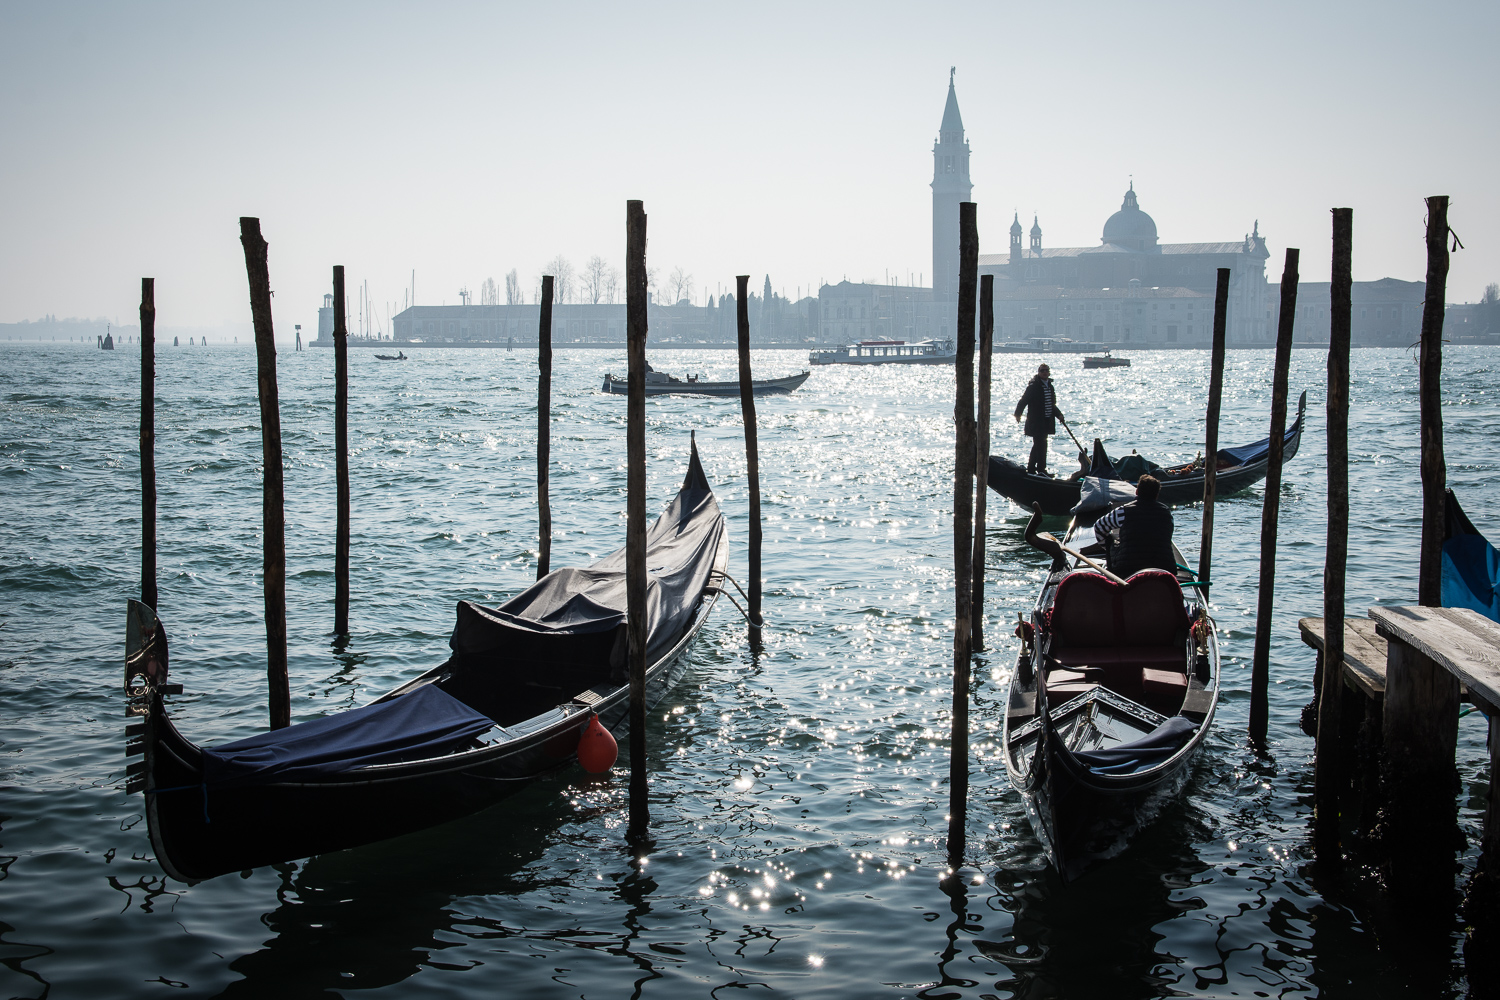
(798,798)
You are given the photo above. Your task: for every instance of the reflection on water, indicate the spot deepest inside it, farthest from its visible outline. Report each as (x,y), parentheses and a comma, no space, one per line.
(799,795)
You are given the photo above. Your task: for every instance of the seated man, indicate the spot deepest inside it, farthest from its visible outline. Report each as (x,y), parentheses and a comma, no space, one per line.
(1138,535)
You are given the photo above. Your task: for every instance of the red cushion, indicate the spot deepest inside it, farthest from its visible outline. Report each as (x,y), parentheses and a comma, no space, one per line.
(1090,610)
(1163,690)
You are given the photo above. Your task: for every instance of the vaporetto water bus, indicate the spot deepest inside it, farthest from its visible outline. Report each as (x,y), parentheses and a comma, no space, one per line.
(888,352)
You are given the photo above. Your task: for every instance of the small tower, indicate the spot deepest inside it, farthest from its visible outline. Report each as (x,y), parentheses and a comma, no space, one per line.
(1015,240)
(1036,236)
(950,188)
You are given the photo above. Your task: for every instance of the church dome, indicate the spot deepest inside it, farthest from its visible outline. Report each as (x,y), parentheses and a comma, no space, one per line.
(1130,227)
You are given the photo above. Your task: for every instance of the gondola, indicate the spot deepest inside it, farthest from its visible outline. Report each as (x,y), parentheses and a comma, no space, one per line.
(1239,468)
(662,384)
(507,706)
(1471,566)
(1114,690)
(398,356)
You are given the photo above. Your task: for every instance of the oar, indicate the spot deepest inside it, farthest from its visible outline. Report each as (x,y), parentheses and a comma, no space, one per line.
(1081,449)
(1080,556)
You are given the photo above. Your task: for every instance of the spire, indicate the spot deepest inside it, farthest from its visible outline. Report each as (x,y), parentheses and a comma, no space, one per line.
(1036,236)
(952,120)
(1015,226)
(1036,229)
(1130,200)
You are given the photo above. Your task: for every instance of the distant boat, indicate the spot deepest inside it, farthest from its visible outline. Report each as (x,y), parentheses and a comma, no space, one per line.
(398,356)
(888,352)
(662,384)
(1105,360)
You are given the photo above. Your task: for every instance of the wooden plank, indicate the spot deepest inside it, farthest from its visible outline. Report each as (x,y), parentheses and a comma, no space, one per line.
(1364,653)
(1461,641)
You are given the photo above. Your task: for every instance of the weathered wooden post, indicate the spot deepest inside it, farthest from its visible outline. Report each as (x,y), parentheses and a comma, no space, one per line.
(1328,766)
(273,513)
(1260,669)
(1419,820)
(1430,370)
(341,451)
(148,442)
(544,431)
(752,453)
(1211,440)
(963,527)
(982,451)
(635,506)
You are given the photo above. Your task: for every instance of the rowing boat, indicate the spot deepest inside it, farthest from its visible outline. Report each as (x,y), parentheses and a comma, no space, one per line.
(662,384)
(506,707)
(1113,692)
(1238,469)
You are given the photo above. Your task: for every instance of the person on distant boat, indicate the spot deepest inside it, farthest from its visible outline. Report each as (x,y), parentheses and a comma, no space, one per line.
(1039,402)
(1138,535)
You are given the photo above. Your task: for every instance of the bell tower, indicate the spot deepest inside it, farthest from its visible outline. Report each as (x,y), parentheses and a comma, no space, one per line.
(950,186)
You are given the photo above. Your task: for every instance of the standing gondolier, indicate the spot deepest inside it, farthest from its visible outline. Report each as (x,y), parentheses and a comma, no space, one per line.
(1039,402)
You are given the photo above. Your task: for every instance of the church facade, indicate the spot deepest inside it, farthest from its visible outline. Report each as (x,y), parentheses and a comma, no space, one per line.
(1130,289)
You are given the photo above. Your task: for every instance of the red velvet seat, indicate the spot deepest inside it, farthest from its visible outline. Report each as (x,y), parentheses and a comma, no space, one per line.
(1133,635)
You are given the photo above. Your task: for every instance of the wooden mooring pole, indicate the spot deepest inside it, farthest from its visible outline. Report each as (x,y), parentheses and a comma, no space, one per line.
(1430,372)
(1328,765)
(963,527)
(148,442)
(635,506)
(1211,438)
(544,431)
(273,512)
(982,451)
(752,453)
(341,451)
(1260,669)
(1418,824)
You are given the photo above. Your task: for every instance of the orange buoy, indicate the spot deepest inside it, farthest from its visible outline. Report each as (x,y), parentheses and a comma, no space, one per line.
(597,749)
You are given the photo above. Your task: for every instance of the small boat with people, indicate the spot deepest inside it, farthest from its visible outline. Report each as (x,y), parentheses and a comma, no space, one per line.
(662,384)
(888,352)
(398,356)
(1238,469)
(1114,690)
(512,702)
(1105,360)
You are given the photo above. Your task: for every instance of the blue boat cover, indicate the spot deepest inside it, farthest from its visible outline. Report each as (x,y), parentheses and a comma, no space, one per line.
(1471,566)
(1248,453)
(1138,755)
(423,723)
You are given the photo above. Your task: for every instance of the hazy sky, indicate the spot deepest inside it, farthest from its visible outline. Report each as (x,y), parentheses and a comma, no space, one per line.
(465,140)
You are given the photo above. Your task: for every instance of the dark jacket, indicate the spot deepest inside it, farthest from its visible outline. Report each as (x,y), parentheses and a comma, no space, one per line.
(1039,415)
(1143,540)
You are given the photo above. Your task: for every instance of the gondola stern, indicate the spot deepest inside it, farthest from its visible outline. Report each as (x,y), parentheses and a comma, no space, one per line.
(695,479)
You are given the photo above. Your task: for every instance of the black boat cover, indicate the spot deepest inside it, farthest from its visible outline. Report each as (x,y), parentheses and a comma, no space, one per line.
(575,617)
(1148,751)
(423,723)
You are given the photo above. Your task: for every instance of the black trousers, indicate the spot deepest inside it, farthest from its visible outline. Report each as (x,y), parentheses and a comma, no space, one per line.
(1038,460)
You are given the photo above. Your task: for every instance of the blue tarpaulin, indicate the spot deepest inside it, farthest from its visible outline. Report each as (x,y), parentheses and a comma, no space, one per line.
(1248,453)
(424,723)
(1471,568)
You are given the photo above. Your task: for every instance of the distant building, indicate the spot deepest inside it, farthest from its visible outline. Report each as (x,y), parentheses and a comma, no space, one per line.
(1387,313)
(588,323)
(1130,289)
(950,187)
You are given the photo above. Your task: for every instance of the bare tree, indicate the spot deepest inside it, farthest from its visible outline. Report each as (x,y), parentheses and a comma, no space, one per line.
(679,285)
(651,286)
(596,279)
(562,278)
(1491,294)
(513,296)
(489,293)
(612,285)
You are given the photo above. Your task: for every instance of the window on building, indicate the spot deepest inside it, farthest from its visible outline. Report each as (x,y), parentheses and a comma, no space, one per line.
(1099,336)
(1361,316)
(1377,316)
(1172,339)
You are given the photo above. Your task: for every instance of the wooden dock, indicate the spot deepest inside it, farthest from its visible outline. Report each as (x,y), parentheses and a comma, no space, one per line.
(1405,671)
